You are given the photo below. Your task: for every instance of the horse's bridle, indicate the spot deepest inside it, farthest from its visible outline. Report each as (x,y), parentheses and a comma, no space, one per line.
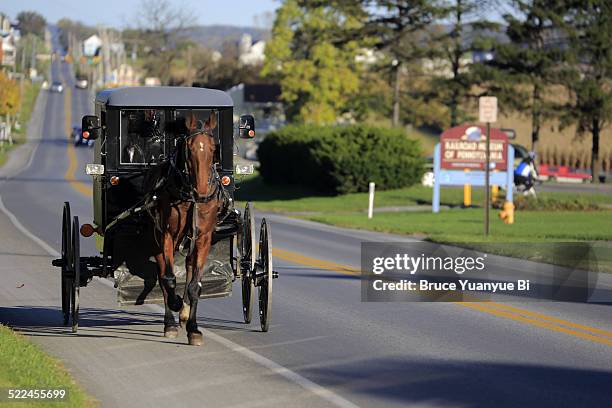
(187,189)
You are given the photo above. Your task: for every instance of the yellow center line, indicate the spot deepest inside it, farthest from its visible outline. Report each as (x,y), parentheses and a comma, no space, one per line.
(73,162)
(514,313)
(538,323)
(550,319)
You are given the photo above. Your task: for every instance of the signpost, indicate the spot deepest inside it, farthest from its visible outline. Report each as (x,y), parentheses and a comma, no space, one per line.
(487,113)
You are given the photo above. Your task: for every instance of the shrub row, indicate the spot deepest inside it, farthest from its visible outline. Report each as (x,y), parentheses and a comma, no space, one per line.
(340,159)
(553,204)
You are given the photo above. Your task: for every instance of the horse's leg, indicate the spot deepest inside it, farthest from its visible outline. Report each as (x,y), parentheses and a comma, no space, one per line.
(168,278)
(184,314)
(195,287)
(167,282)
(170,329)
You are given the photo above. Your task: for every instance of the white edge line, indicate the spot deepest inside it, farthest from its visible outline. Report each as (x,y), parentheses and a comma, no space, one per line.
(26,232)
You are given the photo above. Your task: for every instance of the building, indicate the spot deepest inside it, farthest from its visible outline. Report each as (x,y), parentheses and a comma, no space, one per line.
(9,36)
(260,100)
(250,53)
(91,46)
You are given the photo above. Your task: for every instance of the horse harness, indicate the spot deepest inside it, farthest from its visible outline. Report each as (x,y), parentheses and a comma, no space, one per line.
(186,191)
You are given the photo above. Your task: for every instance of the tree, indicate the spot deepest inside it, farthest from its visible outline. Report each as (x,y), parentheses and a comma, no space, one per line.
(312,59)
(10,97)
(455,41)
(589,77)
(392,26)
(30,22)
(526,65)
(73,28)
(160,26)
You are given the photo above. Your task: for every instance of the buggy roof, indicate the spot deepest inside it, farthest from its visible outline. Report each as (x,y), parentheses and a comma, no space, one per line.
(162,96)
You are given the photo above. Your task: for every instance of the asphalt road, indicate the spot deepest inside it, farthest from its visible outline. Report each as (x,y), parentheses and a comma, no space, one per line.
(325,347)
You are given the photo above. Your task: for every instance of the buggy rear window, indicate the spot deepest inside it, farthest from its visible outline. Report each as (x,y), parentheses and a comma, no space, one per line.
(148,136)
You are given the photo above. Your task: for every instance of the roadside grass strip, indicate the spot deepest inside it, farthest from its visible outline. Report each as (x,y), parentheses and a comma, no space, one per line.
(27,106)
(24,365)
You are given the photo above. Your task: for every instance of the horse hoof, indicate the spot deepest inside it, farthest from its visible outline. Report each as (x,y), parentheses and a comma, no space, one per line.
(184,314)
(171,332)
(195,338)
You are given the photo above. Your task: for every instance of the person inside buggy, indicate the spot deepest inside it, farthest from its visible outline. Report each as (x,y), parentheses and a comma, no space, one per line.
(152,135)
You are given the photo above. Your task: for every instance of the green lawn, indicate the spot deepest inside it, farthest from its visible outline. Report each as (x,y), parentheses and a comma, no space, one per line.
(290,198)
(527,238)
(30,94)
(25,365)
(466,225)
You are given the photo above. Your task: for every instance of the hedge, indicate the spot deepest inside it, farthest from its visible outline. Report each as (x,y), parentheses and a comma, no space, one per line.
(340,159)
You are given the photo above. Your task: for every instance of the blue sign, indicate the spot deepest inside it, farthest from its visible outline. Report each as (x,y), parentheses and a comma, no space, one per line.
(474,178)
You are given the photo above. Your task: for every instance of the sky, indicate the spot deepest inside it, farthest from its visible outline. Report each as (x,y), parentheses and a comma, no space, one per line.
(119,13)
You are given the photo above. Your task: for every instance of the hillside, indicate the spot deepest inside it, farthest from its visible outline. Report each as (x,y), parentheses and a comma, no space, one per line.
(213,36)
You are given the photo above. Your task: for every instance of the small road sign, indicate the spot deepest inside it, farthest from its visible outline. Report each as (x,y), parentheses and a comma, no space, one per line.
(487,109)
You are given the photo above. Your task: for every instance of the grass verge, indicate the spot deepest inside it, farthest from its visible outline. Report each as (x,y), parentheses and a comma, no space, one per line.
(291,198)
(27,105)
(523,239)
(25,365)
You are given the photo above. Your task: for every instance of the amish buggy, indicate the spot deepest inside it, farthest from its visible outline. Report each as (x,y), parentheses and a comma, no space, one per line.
(164,222)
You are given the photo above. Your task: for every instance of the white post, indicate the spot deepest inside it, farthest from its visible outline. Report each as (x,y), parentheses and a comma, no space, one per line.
(371,201)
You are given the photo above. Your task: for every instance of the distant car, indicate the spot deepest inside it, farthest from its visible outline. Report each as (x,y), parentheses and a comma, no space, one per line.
(57,87)
(563,174)
(81,83)
(79,140)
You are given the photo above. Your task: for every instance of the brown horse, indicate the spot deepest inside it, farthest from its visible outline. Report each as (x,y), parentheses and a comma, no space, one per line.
(188,209)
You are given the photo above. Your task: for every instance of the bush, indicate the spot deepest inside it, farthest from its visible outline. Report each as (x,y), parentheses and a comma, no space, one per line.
(340,160)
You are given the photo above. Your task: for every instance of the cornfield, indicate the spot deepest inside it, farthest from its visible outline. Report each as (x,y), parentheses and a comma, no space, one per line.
(576,158)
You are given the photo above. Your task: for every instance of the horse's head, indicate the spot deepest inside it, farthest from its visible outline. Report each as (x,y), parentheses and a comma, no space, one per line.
(200,146)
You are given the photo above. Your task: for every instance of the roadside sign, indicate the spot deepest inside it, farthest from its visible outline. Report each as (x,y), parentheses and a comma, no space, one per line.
(465,147)
(487,109)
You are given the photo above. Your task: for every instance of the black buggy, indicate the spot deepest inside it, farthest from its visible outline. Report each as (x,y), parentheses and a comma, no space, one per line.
(133,136)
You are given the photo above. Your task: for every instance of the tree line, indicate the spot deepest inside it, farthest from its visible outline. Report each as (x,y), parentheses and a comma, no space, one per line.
(424,62)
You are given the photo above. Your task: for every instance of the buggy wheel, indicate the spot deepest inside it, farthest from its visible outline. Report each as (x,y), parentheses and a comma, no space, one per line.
(66,263)
(76,267)
(264,276)
(247,263)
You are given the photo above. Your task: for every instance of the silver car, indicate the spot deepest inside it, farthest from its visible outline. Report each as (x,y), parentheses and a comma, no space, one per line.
(57,87)
(81,83)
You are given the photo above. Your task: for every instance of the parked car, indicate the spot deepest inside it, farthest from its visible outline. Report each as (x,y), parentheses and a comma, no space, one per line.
(564,174)
(81,83)
(520,153)
(57,87)
(79,140)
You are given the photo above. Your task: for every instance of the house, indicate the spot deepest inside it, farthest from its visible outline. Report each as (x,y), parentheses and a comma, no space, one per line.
(9,36)
(91,46)
(250,53)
